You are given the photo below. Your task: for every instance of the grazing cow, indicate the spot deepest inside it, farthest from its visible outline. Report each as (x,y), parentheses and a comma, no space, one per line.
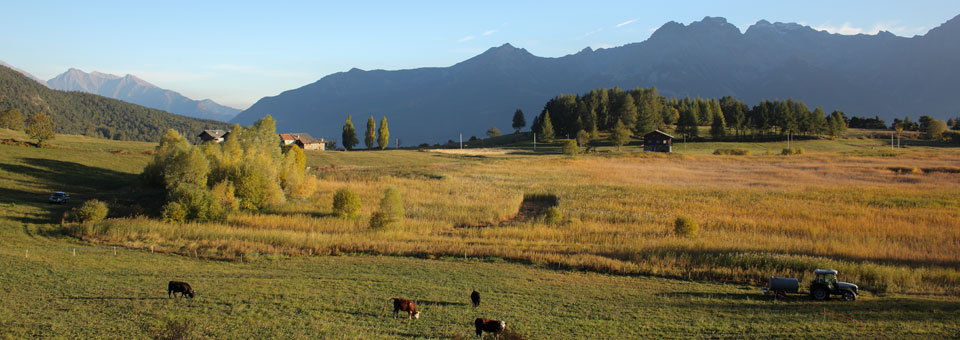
(183,288)
(475,297)
(489,326)
(401,304)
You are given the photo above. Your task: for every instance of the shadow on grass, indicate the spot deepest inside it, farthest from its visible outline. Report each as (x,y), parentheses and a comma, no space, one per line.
(440,303)
(720,296)
(101,298)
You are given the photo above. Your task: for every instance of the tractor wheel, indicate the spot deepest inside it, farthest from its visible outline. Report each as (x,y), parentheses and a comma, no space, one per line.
(849,296)
(819,294)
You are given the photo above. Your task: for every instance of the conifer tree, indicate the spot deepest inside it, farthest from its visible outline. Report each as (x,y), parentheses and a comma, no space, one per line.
(519,122)
(349,135)
(718,128)
(546,128)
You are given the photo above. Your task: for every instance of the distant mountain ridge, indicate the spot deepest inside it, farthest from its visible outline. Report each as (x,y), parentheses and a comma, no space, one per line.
(25,73)
(131,89)
(77,112)
(865,75)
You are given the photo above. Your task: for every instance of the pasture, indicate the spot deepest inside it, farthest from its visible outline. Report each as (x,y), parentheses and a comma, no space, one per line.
(609,268)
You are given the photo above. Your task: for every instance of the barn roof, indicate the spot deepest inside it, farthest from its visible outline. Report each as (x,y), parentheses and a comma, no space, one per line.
(214,133)
(658,132)
(287,136)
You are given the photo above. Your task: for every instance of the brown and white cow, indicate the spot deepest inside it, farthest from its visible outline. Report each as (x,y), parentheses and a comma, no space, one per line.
(401,304)
(489,326)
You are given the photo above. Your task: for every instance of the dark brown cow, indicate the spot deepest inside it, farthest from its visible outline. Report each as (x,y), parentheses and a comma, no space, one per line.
(475,298)
(183,288)
(489,326)
(401,304)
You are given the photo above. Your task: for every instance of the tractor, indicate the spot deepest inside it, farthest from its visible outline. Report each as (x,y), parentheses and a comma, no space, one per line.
(824,284)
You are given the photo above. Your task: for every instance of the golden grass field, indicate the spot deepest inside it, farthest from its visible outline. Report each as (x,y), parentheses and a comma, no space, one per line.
(889,222)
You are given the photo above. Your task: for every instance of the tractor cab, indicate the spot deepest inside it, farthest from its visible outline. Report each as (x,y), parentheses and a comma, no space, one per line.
(826,277)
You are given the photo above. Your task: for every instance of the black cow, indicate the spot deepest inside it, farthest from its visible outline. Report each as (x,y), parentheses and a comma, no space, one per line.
(489,326)
(475,298)
(183,288)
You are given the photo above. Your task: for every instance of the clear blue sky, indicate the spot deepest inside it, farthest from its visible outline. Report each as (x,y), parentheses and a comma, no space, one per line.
(237,52)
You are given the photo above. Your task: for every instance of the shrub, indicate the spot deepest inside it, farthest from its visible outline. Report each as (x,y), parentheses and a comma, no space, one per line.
(224,192)
(733,152)
(791,151)
(553,216)
(952,137)
(174,212)
(685,226)
(91,211)
(570,148)
(346,203)
(391,211)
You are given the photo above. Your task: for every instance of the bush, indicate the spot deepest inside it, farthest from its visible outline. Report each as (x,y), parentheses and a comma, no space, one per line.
(570,148)
(91,211)
(174,212)
(391,211)
(685,227)
(553,216)
(346,203)
(732,152)
(792,151)
(952,137)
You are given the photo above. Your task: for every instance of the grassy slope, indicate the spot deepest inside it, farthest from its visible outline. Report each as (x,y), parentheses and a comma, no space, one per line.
(97,294)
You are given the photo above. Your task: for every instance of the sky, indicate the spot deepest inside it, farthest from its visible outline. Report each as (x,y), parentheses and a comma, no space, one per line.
(236,52)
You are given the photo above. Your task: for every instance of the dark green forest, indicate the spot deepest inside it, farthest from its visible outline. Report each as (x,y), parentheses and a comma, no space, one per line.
(643,110)
(93,115)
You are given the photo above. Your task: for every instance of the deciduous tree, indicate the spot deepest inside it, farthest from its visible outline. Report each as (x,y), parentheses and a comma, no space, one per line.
(383,134)
(371,135)
(40,127)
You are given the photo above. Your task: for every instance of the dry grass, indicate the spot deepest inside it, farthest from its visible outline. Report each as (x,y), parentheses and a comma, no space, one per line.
(889,231)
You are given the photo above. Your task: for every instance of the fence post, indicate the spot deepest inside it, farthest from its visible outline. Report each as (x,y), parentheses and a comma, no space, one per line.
(241,258)
(114,250)
(151,249)
(195,254)
(27,254)
(74,252)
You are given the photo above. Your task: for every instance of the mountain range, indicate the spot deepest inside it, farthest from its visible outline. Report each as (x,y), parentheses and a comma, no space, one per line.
(25,73)
(865,75)
(84,113)
(131,89)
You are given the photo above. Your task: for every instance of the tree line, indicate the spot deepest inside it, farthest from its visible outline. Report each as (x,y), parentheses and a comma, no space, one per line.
(374,137)
(250,170)
(642,110)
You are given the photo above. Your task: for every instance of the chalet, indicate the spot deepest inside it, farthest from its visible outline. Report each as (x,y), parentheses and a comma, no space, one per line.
(657,141)
(213,135)
(303,140)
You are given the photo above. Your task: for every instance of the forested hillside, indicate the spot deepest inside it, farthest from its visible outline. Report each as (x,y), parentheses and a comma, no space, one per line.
(93,115)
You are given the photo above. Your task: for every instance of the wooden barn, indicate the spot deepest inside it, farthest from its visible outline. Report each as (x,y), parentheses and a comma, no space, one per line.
(213,135)
(657,141)
(303,140)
